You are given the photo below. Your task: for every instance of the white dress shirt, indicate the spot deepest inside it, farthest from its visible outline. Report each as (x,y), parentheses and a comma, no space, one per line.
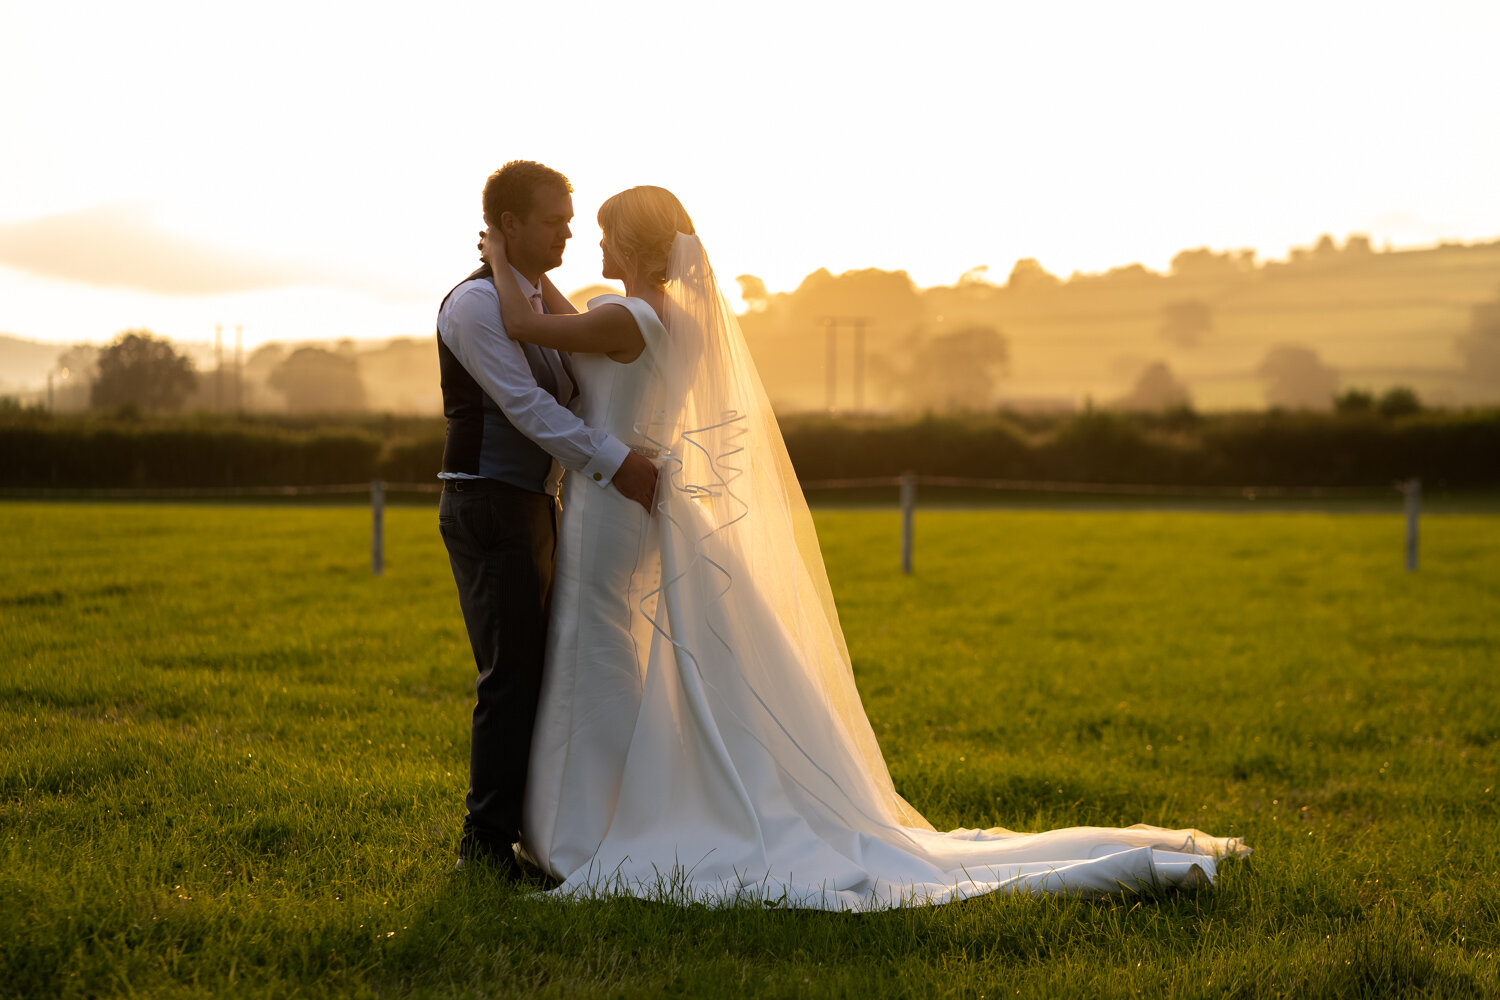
(469,323)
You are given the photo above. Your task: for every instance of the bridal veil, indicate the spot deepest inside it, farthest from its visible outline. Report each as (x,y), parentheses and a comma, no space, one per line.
(753,771)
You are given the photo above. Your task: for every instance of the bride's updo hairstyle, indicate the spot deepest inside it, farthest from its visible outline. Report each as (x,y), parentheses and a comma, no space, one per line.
(641,222)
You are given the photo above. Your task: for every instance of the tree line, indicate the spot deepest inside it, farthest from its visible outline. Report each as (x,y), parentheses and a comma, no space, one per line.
(1362,445)
(1294,334)
(1218,330)
(139,373)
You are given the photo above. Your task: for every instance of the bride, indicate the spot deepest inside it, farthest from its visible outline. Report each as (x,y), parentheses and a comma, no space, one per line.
(700,736)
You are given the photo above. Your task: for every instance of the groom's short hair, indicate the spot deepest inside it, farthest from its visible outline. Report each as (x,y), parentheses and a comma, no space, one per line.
(513,189)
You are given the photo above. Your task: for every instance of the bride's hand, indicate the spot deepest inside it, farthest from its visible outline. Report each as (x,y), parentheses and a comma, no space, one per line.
(492,246)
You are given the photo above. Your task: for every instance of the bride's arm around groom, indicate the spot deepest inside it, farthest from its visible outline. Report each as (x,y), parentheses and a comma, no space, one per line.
(478,339)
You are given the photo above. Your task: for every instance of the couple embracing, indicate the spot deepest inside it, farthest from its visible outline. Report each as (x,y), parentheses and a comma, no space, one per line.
(666,707)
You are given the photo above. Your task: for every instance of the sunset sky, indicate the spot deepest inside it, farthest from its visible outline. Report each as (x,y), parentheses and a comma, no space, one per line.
(313,170)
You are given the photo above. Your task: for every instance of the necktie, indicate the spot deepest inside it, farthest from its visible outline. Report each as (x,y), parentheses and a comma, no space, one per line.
(565,383)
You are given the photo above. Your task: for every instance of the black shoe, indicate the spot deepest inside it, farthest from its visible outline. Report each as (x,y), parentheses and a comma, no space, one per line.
(500,860)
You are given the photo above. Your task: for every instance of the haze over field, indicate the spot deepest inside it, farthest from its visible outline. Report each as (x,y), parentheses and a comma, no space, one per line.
(303,175)
(1217,331)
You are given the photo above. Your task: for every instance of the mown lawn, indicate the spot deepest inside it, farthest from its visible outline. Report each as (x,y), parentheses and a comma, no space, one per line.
(234,761)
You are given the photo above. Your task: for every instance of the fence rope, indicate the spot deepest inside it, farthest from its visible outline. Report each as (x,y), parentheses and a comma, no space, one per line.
(1117,489)
(868,482)
(378,491)
(204,492)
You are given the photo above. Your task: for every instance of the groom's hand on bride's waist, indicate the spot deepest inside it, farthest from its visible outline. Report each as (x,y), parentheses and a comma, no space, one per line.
(636,479)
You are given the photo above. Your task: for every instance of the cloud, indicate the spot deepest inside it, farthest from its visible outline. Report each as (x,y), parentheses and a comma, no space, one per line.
(119,246)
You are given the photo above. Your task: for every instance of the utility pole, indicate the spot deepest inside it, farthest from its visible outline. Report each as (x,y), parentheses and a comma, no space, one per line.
(859,364)
(858,323)
(218,367)
(833,357)
(239,369)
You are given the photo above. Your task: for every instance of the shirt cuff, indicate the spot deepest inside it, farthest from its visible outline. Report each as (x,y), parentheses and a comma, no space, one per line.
(606,462)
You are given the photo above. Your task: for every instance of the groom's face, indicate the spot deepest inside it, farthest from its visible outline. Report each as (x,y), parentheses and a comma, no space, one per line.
(537,242)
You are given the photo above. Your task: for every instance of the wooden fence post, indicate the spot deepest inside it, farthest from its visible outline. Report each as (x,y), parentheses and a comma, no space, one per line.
(377,535)
(908,505)
(1413,490)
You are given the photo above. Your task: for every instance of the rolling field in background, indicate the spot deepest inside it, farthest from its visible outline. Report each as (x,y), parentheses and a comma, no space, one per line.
(234,760)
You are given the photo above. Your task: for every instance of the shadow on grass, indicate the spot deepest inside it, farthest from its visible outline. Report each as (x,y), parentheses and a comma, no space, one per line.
(510,937)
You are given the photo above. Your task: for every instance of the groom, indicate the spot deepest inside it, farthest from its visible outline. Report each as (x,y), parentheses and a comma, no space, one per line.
(509,429)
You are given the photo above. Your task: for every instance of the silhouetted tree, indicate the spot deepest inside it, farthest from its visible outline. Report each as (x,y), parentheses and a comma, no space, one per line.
(1398,401)
(256,376)
(142,372)
(1354,401)
(1480,348)
(314,380)
(401,376)
(1204,263)
(753,291)
(264,360)
(1156,388)
(80,361)
(1296,378)
(77,370)
(1028,275)
(890,295)
(1185,322)
(958,370)
(1130,272)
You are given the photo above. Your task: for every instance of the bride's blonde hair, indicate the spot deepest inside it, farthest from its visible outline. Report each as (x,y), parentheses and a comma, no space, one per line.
(643,220)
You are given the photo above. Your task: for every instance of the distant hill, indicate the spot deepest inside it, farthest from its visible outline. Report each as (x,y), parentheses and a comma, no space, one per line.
(580,298)
(1360,318)
(1217,329)
(24,363)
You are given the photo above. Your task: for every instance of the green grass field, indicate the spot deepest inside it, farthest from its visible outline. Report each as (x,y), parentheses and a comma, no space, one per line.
(234,761)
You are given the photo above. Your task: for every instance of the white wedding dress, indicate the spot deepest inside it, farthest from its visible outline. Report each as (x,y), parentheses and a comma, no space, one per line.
(700,737)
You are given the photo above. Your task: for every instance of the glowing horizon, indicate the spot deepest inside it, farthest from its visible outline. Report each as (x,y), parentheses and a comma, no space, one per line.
(309,176)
